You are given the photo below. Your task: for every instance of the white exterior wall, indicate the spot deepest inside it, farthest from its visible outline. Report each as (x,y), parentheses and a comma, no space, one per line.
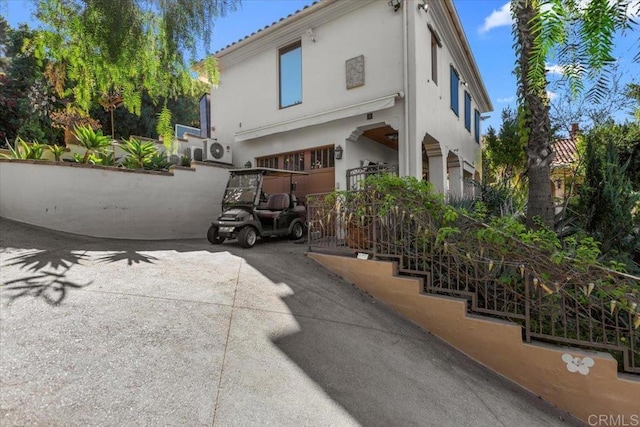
(433,113)
(102,202)
(248,92)
(245,110)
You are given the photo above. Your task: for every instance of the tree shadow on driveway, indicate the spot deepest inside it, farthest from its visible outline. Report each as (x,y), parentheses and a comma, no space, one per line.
(48,257)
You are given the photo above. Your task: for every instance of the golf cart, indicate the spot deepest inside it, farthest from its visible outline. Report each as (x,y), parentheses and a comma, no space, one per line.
(248,213)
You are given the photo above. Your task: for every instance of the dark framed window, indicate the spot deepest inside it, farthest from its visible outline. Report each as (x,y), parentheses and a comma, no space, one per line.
(476,129)
(268,162)
(467,111)
(290,75)
(455,82)
(293,161)
(322,158)
(434,57)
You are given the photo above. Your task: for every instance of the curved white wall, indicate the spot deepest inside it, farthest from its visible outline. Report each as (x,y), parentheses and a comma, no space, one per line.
(115,203)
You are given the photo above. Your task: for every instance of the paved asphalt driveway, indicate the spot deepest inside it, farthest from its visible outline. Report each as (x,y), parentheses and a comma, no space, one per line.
(105,332)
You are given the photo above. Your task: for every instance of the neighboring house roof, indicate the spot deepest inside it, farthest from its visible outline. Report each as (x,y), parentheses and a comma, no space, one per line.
(566,152)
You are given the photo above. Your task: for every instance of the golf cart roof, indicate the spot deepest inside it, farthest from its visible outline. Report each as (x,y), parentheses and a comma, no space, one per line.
(267,171)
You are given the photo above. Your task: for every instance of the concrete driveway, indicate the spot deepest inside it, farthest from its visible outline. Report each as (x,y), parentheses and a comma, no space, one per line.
(105,332)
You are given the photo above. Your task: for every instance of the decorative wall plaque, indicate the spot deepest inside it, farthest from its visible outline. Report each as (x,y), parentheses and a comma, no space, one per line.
(355,72)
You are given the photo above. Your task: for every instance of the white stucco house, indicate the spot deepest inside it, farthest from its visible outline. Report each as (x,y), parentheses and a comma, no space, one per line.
(342,83)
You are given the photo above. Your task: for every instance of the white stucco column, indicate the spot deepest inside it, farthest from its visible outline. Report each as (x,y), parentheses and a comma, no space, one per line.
(455,180)
(438,173)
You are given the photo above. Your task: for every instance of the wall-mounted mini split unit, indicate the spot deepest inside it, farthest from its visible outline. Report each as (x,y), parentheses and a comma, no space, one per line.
(215,151)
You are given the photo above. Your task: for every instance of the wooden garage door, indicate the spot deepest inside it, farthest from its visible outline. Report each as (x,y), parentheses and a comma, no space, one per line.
(318,162)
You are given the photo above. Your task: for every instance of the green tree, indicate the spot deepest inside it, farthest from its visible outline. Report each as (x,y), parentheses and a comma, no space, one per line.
(26,98)
(606,198)
(131,47)
(184,110)
(582,34)
(504,150)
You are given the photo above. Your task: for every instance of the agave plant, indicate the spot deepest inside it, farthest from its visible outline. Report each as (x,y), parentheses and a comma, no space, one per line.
(57,151)
(92,141)
(107,158)
(185,161)
(139,153)
(24,150)
(158,162)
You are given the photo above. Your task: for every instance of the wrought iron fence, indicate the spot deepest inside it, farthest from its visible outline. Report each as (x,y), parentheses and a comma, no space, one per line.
(356,176)
(558,303)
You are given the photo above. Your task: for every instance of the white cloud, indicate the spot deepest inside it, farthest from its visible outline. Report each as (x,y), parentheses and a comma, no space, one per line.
(633,9)
(551,95)
(554,69)
(505,100)
(498,18)
(502,17)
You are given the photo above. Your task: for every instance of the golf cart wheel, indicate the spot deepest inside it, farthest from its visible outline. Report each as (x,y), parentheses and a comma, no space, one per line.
(213,237)
(297,231)
(247,237)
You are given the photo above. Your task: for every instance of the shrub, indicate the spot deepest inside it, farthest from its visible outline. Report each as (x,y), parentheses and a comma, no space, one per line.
(139,153)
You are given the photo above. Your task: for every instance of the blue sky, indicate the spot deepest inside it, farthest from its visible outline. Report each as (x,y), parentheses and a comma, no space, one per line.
(486,24)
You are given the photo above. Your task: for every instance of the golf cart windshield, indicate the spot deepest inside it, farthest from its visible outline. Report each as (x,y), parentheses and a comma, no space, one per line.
(242,189)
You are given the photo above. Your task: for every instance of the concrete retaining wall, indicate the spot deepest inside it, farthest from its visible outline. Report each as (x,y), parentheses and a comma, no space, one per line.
(110,202)
(597,394)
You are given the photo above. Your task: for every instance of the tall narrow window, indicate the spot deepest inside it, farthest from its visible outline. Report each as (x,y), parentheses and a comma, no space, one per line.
(290,66)
(467,111)
(477,126)
(455,82)
(434,57)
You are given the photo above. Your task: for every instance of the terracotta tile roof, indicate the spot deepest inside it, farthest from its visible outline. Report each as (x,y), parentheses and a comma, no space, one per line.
(268,26)
(566,152)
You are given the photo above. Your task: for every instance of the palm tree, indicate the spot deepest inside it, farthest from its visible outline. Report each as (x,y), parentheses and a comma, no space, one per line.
(582,36)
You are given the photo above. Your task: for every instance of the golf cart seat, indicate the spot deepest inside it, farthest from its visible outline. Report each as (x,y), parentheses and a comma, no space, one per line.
(276,204)
(298,206)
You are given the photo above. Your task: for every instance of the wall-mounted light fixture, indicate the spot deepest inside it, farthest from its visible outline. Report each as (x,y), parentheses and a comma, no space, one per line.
(463,83)
(338,151)
(395,4)
(248,164)
(424,6)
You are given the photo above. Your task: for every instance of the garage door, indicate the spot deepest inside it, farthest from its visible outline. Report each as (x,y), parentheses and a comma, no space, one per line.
(317,161)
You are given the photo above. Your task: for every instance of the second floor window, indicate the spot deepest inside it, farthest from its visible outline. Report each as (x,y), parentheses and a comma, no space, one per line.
(290,79)
(455,82)
(476,128)
(434,57)
(467,111)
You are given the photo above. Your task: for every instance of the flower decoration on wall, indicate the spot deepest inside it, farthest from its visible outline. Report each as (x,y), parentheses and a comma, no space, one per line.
(575,364)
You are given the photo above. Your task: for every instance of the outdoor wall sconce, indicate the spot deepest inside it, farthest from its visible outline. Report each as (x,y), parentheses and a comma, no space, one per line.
(395,4)
(338,150)
(247,165)
(424,6)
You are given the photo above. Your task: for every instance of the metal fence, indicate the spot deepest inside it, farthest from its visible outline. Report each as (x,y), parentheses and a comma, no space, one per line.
(357,176)
(558,303)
